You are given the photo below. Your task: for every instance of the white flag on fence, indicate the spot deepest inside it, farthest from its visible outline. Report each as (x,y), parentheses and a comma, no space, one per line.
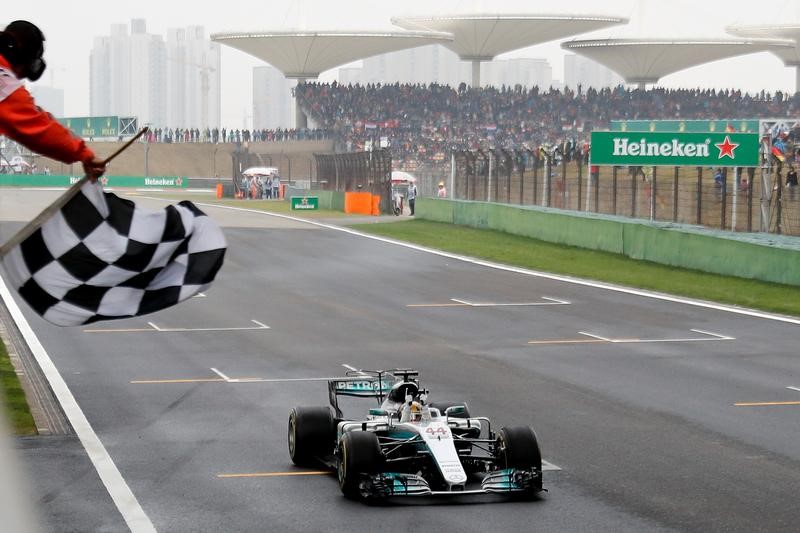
(100,257)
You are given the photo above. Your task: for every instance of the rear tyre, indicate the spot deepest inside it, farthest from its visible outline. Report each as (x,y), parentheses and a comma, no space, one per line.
(517,447)
(312,434)
(359,453)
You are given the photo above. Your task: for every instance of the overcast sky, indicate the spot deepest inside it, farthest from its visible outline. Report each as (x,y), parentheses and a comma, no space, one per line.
(71,26)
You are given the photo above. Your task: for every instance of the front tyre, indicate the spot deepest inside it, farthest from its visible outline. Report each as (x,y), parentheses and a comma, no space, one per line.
(359,454)
(517,447)
(312,434)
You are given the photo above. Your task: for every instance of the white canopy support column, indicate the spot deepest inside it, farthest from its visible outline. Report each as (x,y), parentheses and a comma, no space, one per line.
(476,73)
(797,78)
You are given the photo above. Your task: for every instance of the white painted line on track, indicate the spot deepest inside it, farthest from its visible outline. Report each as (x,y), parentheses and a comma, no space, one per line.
(220,374)
(794,388)
(354,369)
(509,304)
(519,270)
(713,337)
(118,489)
(721,337)
(556,300)
(592,335)
(154,328)
(549,466)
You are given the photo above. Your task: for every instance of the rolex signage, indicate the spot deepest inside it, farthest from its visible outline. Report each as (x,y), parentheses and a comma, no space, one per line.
(674,149)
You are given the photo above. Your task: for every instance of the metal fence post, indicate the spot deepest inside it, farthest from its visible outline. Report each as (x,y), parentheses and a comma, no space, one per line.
(634,175)
(614,189)
(751,175)
(699,194)
(675,195)
(653,193)
(723,208)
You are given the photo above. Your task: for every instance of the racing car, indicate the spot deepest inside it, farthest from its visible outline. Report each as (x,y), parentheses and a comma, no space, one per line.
(407,446)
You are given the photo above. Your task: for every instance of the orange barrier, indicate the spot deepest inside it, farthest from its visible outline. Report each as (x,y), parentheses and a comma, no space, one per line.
(358,203)
(283,190)
(219,190)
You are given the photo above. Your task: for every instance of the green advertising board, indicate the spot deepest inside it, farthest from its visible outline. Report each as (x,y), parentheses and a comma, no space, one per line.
(674,149)
(305,203)
(737,125)
(88,127)
(142,182)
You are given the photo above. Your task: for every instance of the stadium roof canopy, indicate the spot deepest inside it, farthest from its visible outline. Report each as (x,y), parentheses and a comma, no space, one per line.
(645,61)
(790,57)
(482,37)
(306,54)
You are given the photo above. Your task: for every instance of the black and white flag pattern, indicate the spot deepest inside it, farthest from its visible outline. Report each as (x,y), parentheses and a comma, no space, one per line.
(101,257)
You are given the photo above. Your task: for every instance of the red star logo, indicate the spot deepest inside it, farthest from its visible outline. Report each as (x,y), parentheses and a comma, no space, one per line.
(104,181)
(179,181)
(726,148)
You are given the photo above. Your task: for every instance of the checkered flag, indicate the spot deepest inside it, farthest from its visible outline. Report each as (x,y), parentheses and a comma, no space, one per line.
(99,257)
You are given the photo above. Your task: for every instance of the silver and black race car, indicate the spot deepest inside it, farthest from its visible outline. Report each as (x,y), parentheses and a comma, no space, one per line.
(410,447)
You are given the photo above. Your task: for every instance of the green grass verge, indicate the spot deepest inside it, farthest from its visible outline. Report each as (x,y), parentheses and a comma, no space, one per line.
(602,266)
(16,406)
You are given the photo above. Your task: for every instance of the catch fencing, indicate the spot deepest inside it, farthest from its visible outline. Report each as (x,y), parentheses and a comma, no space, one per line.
(356,171)
(734,199)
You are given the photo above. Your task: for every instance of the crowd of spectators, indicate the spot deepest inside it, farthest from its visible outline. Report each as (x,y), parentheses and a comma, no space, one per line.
(423,123)
(216,135)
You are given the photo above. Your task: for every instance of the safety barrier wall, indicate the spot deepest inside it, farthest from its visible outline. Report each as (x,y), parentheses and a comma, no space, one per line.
(361,203)
(42,180)
(328,199)
(754,256)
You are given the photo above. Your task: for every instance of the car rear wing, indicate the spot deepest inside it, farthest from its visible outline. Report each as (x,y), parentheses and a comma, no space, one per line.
(362,385)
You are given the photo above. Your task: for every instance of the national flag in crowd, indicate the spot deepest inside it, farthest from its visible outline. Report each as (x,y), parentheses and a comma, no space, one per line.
(779,149)
(101,257)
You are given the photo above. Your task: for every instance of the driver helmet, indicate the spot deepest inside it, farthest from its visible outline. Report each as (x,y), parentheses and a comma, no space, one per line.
(416,412)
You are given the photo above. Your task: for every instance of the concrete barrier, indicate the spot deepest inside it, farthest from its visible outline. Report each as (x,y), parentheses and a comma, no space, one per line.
(762,257)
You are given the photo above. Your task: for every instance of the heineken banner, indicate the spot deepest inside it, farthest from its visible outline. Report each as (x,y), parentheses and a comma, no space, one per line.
(674,149)
(305,202)
(41,180)
(735,125)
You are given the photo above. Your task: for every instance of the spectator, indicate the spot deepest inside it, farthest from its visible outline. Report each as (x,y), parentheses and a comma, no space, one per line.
(412,196)
(791,177)
(442,192)
(276,187)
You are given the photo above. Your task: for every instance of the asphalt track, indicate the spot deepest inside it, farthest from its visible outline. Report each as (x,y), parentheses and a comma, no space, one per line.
(661,415)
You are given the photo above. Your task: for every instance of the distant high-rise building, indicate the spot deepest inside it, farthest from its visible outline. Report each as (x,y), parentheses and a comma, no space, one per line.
(526,72)
(272,99)
(350,75)
(582,70)
(172,84)
(424,64)
(193,79)
(128,74)
(49,98)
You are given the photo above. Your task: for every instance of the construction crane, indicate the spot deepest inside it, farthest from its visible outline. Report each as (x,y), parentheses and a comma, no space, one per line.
(205,72)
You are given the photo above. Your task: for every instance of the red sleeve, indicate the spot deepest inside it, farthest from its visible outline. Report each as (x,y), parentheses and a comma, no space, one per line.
(23,121)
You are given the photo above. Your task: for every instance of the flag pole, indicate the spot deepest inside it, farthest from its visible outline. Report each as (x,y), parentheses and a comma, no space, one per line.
(34,224)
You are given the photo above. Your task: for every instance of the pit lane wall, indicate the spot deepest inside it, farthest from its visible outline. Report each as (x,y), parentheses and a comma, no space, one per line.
(759,256)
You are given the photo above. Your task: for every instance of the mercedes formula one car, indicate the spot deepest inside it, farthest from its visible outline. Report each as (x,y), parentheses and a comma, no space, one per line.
(410,447)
